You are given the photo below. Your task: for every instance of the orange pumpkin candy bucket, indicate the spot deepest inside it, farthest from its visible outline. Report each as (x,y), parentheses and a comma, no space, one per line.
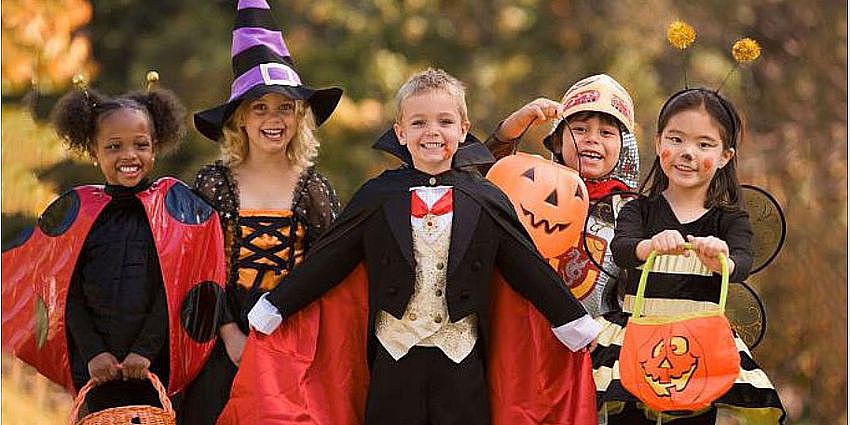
(678,363)
(550,199)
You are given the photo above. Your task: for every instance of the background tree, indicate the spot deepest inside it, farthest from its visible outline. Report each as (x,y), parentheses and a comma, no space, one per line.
(794,99)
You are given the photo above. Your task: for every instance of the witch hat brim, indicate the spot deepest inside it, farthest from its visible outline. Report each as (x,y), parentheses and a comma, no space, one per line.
(322,101)
(470,152)
(262,64)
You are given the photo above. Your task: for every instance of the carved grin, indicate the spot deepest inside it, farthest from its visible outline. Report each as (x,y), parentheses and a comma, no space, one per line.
(678,383)
(547,227)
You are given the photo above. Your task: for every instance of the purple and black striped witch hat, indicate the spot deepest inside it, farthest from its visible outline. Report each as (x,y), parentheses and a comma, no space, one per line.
(261,65)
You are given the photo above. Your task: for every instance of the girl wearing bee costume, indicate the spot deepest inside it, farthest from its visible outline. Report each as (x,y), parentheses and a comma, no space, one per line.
(691,196)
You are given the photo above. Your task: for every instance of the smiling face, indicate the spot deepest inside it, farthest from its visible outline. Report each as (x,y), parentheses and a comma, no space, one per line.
(124,146)
(691,150)
(598,141)
(270,122)
(430,125)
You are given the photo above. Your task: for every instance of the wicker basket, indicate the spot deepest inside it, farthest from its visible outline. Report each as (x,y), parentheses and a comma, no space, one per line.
(126,415)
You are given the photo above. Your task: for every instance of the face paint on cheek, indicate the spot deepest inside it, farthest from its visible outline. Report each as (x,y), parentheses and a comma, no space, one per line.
(665,155)
(446,152)
(707,164)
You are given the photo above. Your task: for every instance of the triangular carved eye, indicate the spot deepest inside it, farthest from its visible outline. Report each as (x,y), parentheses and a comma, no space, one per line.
(529,174)
(553,198)
(579,193)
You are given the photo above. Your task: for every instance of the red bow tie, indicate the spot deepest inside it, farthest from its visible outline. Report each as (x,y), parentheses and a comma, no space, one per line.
(418,208)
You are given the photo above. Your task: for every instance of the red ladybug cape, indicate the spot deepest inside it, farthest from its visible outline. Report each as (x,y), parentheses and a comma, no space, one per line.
(313,368)
(37,270)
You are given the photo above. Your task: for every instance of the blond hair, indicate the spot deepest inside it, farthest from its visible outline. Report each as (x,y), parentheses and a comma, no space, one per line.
(428,80)
(301,150)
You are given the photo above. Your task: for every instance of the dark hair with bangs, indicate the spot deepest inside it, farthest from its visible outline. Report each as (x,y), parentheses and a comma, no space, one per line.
(724,190)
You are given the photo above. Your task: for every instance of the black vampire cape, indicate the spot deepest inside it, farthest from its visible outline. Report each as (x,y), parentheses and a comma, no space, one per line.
(314,367)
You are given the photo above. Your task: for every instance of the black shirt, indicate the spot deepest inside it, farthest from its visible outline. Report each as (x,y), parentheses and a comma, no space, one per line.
(643,218)
(116,299)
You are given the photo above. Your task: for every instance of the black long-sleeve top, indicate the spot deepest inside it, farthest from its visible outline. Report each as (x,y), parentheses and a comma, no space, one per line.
(645,217)
(116,299)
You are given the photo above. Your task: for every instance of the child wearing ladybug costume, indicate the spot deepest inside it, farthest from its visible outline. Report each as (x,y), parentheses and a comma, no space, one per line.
(120,279)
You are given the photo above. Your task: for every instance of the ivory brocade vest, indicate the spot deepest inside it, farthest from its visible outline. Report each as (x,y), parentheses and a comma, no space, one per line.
(426,319)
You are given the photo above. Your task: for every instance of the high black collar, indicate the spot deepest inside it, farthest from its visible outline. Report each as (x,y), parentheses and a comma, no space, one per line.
(470,152)
(117,191)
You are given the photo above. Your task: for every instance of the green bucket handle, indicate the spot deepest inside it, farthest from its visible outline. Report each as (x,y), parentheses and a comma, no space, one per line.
(647,266)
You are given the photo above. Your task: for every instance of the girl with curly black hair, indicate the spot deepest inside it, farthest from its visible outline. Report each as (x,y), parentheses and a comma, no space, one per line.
(128,254)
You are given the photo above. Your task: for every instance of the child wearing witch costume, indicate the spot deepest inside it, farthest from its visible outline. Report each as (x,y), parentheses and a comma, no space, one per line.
(272,201)
(419,317)
(592,131)
(692,196)
(131,256)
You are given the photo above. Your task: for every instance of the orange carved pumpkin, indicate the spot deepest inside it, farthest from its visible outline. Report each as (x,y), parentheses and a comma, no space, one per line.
(680,365)
(680,362)
(550,199)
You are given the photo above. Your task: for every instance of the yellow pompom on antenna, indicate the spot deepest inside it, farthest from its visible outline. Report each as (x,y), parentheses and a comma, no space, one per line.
(151,78)
(746,50)
(681,35)
(80,81)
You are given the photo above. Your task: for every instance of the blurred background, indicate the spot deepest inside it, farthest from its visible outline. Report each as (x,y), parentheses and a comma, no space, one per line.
(794,99)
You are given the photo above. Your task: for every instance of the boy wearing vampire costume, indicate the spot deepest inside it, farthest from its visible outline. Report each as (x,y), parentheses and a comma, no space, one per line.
(426,331)
(119,280)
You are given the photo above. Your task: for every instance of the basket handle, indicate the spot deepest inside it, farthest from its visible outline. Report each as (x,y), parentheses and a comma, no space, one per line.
(157,385)
(647,266)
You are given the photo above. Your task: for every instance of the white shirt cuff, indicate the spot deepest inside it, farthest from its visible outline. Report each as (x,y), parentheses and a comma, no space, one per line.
(578,333)
(264,316)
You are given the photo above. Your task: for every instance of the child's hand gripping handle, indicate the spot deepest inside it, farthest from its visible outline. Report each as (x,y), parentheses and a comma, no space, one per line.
(81,398)
(647,266)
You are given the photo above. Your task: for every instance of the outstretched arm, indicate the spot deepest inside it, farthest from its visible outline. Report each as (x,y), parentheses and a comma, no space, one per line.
(335,255)
(540,109)
(529,274)
(502,142)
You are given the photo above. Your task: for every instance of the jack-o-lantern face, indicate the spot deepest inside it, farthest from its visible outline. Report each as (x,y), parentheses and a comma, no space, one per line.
(674,365)
(551,200)
(670,366)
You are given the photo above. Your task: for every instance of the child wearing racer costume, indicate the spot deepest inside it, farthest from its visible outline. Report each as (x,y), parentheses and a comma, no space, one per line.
(592,132)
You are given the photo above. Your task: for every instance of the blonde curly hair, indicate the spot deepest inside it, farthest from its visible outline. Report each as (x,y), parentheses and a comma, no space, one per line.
(301,150)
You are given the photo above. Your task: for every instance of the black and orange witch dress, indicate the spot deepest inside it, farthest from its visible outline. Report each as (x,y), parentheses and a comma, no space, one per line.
(262,246)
